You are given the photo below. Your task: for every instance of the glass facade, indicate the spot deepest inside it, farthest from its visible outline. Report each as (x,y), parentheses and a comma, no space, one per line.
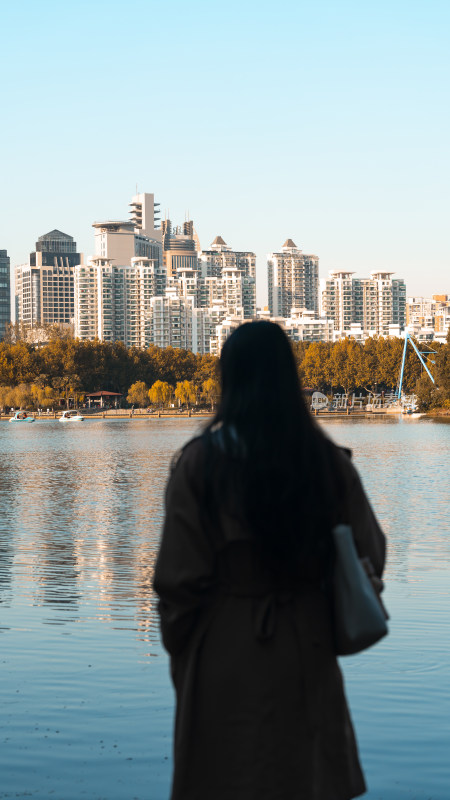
(5,292)
(44,286)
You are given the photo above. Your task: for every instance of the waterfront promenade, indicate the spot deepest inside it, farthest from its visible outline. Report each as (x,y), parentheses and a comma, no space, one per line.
(142,414)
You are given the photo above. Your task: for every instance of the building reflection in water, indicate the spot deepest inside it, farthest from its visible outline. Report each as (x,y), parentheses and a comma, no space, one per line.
(8,480)
(83,507)
(83,510)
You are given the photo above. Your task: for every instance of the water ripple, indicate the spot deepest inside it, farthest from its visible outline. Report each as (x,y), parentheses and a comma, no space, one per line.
(84,681)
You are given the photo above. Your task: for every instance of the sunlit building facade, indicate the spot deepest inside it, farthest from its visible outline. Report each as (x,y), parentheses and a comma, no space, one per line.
(171,320)
(180,248)
(113,303)
(293,280)
(227,277)
(375,305)
(306,326)
(220,257)
(44,287)
(339,299)
(428,318)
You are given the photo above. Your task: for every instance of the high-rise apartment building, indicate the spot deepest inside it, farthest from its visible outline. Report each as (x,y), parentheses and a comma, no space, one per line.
(180,246)
(139,236)
(227,277)
(5,293)
(220,256)
(44,286)
(114,289)
(176,322)
(146,285)
(113,302)
(293,279)
(339,299)
(234,291)
(144,214)
(95,292)
(375,304)
(384,304)
(171,318)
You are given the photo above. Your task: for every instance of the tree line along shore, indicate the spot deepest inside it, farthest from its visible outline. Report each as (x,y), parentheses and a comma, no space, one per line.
(65,368)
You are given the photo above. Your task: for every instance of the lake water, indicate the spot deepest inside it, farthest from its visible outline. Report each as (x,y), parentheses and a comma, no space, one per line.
(86,700)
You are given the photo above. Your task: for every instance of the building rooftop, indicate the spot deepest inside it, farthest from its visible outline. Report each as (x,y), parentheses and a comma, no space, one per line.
(114,225)
(289,243)
(55,234)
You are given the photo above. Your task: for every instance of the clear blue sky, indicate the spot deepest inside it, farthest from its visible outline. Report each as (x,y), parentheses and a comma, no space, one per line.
(327,122)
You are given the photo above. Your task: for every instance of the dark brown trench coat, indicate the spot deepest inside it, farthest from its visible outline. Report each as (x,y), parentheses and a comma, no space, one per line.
(261,711)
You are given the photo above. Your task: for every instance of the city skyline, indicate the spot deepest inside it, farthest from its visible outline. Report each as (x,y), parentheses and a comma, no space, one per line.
(323,124)
(262,270)
(148,285)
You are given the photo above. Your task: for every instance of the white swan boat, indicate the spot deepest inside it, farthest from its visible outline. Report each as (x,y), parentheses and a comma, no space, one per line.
(22,416)
(71,416)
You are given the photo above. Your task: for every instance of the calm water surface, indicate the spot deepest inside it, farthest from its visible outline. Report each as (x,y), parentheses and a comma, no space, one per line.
(86,701)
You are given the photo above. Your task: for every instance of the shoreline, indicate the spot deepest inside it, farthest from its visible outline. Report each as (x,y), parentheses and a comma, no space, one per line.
(125,414)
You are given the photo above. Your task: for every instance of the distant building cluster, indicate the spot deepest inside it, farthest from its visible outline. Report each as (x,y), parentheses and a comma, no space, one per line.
(151,283)
(428,319)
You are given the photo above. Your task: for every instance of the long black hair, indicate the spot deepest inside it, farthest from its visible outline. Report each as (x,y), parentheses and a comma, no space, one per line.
(273,465)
